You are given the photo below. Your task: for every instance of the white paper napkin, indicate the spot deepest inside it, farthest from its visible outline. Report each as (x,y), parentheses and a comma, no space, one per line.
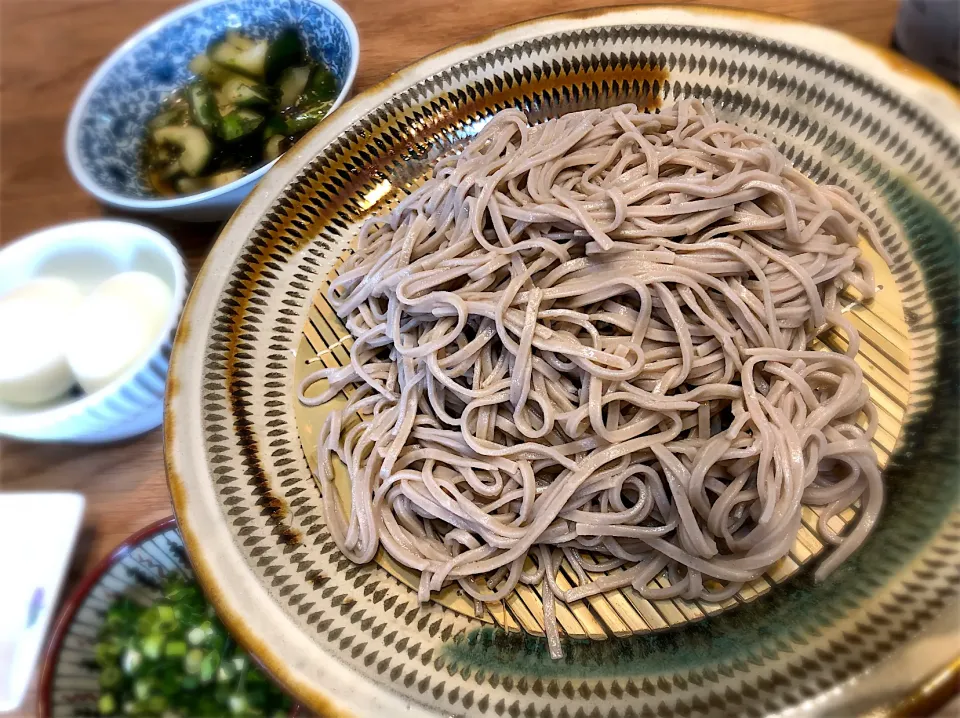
(37,536)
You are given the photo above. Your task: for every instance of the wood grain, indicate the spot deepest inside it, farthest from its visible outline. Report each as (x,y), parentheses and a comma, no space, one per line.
(48,48)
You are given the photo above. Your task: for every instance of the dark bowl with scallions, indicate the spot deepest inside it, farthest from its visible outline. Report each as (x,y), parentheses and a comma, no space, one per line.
(138,638)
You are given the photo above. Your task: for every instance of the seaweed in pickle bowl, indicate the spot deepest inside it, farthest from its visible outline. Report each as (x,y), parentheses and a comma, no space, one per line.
(837,126)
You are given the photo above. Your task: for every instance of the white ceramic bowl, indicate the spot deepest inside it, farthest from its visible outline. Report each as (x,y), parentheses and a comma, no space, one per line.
(106,128)
(89,252)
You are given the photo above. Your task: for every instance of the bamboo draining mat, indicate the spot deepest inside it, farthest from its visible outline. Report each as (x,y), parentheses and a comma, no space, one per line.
(884,356)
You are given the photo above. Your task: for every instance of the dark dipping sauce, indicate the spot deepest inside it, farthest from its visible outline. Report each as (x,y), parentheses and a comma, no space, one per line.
(250,101)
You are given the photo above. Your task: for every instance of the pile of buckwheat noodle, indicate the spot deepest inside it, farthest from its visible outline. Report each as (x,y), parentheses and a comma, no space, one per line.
(586,341)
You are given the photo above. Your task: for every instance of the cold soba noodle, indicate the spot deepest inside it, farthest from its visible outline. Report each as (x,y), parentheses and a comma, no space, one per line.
(590,335)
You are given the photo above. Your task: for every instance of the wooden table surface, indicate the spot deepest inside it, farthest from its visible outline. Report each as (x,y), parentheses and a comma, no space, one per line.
(48,48)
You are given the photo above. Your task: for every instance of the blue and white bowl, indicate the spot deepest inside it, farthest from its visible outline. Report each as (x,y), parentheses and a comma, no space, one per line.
(87,253)
(106,128)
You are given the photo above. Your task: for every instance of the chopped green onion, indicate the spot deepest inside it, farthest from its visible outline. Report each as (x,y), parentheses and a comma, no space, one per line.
(191,664)
(142,687)
(176,649)
(110,676)
(166,613)
(225,673)
(196,636)
(105,652)
(208,667)
(107,705)
(132,658)
(153,646)
(156,705)
(238,704)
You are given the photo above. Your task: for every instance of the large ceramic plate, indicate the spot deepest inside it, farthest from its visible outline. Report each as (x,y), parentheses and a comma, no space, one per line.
(351,639)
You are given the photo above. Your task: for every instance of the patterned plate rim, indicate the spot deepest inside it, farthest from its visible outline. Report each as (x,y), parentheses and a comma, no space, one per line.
(241,601)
